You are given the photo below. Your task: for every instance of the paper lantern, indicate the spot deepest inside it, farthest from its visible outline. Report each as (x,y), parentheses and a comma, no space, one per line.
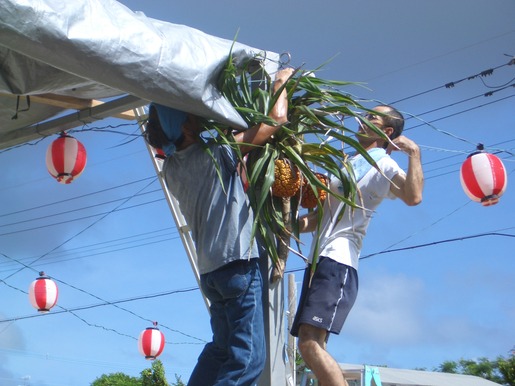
(160,154)
(151,342)
(483,177)
(65,158)
(43,293)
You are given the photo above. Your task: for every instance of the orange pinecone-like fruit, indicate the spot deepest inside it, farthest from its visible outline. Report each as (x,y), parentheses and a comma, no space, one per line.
(308,199)
(287,179)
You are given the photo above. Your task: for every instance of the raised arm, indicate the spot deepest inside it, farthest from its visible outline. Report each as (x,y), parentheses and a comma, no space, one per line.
(408,188)
(308,222)
(260,134)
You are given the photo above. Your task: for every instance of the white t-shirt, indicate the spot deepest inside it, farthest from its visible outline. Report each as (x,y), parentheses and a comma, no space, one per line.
(342,240)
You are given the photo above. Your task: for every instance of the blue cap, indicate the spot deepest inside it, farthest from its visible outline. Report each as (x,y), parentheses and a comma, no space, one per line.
(171,121)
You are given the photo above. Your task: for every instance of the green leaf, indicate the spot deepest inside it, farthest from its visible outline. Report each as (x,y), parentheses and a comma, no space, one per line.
(316,110)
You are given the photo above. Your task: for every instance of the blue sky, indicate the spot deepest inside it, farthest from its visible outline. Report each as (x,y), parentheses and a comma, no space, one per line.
(109,236)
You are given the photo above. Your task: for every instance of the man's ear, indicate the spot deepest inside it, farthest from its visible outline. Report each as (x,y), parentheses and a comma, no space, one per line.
(388,131)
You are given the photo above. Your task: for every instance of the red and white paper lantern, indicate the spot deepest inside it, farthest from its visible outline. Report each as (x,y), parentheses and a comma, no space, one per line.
(483,178)
(43,293)
(151,342)
(65,158)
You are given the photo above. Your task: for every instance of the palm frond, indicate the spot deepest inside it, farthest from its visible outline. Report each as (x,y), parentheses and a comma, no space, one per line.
(316,108)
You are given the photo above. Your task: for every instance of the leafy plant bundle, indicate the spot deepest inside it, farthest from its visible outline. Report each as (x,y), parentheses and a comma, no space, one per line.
(316,108)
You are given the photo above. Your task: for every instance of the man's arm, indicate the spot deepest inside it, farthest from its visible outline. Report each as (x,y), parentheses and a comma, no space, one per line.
(260,134)
(308,222)
(408,188)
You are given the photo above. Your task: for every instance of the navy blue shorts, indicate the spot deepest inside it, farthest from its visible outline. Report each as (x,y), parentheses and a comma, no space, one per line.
(327,302)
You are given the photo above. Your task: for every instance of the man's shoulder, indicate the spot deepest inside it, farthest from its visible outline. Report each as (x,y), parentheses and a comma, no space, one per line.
(388,162)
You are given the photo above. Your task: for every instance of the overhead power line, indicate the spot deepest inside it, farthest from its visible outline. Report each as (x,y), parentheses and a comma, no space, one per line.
(173,292)
(462,238)
(452,84)
(387,251)
(104,303)
(103,214)
(104,247)
(411,116)
(436,243)
(55,214)
(60,202)
(81,231)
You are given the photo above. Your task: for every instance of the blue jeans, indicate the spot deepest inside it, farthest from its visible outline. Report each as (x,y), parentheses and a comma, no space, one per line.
(237,354)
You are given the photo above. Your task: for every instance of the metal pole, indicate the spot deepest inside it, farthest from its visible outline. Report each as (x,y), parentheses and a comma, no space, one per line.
(292,310)
(180,221)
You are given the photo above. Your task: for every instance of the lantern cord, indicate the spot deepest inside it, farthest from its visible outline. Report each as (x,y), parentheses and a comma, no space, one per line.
(10,286)
(494,233)
(15,116)
(6,327)
(105,302)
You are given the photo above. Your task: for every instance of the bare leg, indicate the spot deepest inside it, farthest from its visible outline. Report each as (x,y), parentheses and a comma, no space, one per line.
(312,344)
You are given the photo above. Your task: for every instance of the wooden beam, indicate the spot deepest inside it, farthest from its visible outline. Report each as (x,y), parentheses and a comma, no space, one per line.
(72,103)
(87,115)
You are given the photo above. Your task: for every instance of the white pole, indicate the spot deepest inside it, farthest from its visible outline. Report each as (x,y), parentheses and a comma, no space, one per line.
(292,309)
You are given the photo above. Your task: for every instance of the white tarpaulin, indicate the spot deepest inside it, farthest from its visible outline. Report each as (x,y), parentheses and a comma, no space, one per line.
(99,48)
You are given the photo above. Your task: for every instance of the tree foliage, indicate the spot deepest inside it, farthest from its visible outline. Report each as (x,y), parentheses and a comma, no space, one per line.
(178,381)
(500,370)
(507,369)
(116,379)
(154,376)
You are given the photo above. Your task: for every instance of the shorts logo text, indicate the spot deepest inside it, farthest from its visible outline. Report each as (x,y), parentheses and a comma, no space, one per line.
(317,319)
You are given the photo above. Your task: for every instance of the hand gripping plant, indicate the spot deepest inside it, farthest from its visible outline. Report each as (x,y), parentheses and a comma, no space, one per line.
(289,172)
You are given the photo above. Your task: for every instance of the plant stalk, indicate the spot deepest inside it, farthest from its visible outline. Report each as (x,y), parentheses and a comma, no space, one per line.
(283,241)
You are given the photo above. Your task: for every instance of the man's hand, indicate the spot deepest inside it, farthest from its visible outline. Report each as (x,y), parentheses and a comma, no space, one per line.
(408,188)
(279,112)
(403,144)
(260,134)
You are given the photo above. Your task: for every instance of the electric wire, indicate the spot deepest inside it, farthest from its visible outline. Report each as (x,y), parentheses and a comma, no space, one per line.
(438,242)
(81,361)
(78,209)
(417,246)
(60,202)
(456,82)
(460,102)
(457,113)
(388,250)
(498,232)
(103,214)
(104,302)
(417,116)
(110,246)
(80,232)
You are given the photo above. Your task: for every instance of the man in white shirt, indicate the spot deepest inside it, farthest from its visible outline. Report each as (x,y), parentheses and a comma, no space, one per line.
(328,296)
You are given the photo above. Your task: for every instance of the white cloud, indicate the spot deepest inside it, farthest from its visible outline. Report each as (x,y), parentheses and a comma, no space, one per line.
(417,321)
(11,338)
(387,311)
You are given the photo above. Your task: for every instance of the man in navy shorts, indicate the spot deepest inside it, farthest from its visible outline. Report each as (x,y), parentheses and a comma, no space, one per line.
(327,298)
